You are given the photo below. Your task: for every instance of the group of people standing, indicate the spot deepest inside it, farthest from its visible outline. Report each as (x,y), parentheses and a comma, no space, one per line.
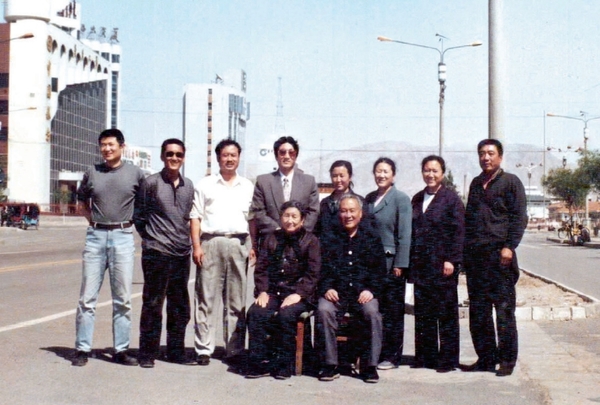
(345,254)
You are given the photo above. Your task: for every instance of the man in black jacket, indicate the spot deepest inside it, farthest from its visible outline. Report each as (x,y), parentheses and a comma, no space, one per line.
(495,220)
(353,268)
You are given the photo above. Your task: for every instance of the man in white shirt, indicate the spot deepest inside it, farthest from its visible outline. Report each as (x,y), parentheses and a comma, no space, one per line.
(221,249)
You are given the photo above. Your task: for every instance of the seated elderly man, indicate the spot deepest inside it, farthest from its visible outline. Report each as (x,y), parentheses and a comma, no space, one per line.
(353,267)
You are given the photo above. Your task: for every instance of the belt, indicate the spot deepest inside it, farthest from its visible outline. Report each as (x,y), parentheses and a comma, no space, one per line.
(240,236)
(121,225)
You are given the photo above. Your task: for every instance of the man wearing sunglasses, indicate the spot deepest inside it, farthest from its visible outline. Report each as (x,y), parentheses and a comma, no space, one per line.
(163,221)
(273,189)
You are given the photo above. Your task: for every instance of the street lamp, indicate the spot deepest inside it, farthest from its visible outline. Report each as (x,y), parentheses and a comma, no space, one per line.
(24,36)
(441,73)
(529,168)
(583,117)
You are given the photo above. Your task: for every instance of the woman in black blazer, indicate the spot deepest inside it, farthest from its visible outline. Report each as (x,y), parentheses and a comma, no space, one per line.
(436,254)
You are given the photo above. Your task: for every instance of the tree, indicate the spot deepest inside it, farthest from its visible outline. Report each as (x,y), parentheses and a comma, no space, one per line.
(571,186)
(449,182)
(590,167)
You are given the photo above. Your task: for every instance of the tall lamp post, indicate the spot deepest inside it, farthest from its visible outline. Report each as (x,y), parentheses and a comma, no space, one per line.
(441,73)
(24,36)
(583,117)
(529,168)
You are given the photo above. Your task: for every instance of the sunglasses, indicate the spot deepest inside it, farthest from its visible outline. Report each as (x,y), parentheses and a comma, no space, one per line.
(180,155)
(290,152)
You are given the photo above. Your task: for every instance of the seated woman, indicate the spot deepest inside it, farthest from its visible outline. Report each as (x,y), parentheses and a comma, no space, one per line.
(285,278)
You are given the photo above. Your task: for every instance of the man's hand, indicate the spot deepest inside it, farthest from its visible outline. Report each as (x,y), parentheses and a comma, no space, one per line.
(448,269)
(332,295)
(198,255)
(291,300)
(365,297)
(262,300)
(252,256)
(397,272)
(506,256)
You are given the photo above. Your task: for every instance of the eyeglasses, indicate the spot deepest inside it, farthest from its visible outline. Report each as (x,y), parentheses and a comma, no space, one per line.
(282,152)
(180,155)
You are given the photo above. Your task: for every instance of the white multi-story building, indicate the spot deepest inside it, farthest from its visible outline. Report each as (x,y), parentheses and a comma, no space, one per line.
(60,88)
(213,112)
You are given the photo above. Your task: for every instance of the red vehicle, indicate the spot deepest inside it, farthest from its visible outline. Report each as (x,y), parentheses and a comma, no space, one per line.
(22,215)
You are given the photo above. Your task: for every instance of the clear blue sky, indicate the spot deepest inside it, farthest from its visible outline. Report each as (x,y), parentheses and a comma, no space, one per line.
(342,87)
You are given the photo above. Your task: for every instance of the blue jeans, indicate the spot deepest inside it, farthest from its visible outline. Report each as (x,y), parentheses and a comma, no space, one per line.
(113,250)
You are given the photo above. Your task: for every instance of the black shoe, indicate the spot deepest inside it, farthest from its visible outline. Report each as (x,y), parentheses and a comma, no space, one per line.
(258,371)
(123,358)
(80,359)
(203,360)
(505,369)
(480,366)
(146,362)
(370,375)
(329,373)
(282,373)
(445,369)
(180,358)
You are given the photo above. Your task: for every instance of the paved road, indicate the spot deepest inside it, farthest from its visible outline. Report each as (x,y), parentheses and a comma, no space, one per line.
(39,282)
(577,267)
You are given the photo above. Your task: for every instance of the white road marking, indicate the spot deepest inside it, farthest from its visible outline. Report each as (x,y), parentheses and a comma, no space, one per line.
(61,315)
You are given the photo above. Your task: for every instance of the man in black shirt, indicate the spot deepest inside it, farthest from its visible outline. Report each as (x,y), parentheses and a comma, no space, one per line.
(496,217)
(164,224)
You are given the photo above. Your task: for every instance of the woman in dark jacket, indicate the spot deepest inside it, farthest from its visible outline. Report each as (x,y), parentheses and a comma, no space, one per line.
(436,253)
(285,278)
(341,178)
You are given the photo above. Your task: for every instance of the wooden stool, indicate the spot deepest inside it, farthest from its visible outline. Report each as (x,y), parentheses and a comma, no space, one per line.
(303,319)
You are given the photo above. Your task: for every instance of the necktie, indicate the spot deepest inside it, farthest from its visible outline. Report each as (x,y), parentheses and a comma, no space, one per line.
(286,189)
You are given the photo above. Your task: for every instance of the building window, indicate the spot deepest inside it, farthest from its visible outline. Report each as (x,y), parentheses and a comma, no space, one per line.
(116,58)
(54,84)
(105,55)
(209,91)
(210,106)
(3,80)
(3,106)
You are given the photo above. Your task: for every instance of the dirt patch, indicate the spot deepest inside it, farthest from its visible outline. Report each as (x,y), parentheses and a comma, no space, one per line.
(533,292)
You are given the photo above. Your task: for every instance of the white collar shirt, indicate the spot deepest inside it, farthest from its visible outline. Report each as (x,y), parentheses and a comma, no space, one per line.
(222,208)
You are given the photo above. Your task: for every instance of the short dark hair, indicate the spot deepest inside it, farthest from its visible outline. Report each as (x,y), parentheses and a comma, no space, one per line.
(293,204)
(112,133)
(171,141)
(385,160)
(435,158)
(225,143)
(494,142)
(286,139)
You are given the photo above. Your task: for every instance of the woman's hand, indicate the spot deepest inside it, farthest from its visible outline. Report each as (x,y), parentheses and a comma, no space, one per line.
(448,269)
(262,300)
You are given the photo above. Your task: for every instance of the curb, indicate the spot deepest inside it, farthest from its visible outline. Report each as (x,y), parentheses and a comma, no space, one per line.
(590,245)
(589,310)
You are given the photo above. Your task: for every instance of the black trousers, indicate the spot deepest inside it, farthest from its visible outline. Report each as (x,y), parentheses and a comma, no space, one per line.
(392,311)
(437,331)
(277,323)
(164,277)
(492,285)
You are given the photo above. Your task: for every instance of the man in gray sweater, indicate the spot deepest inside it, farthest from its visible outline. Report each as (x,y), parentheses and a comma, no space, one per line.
(107,195)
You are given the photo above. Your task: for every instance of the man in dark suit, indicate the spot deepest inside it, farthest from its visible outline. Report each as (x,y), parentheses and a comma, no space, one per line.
(496,218)
(273,189)
(353,270)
